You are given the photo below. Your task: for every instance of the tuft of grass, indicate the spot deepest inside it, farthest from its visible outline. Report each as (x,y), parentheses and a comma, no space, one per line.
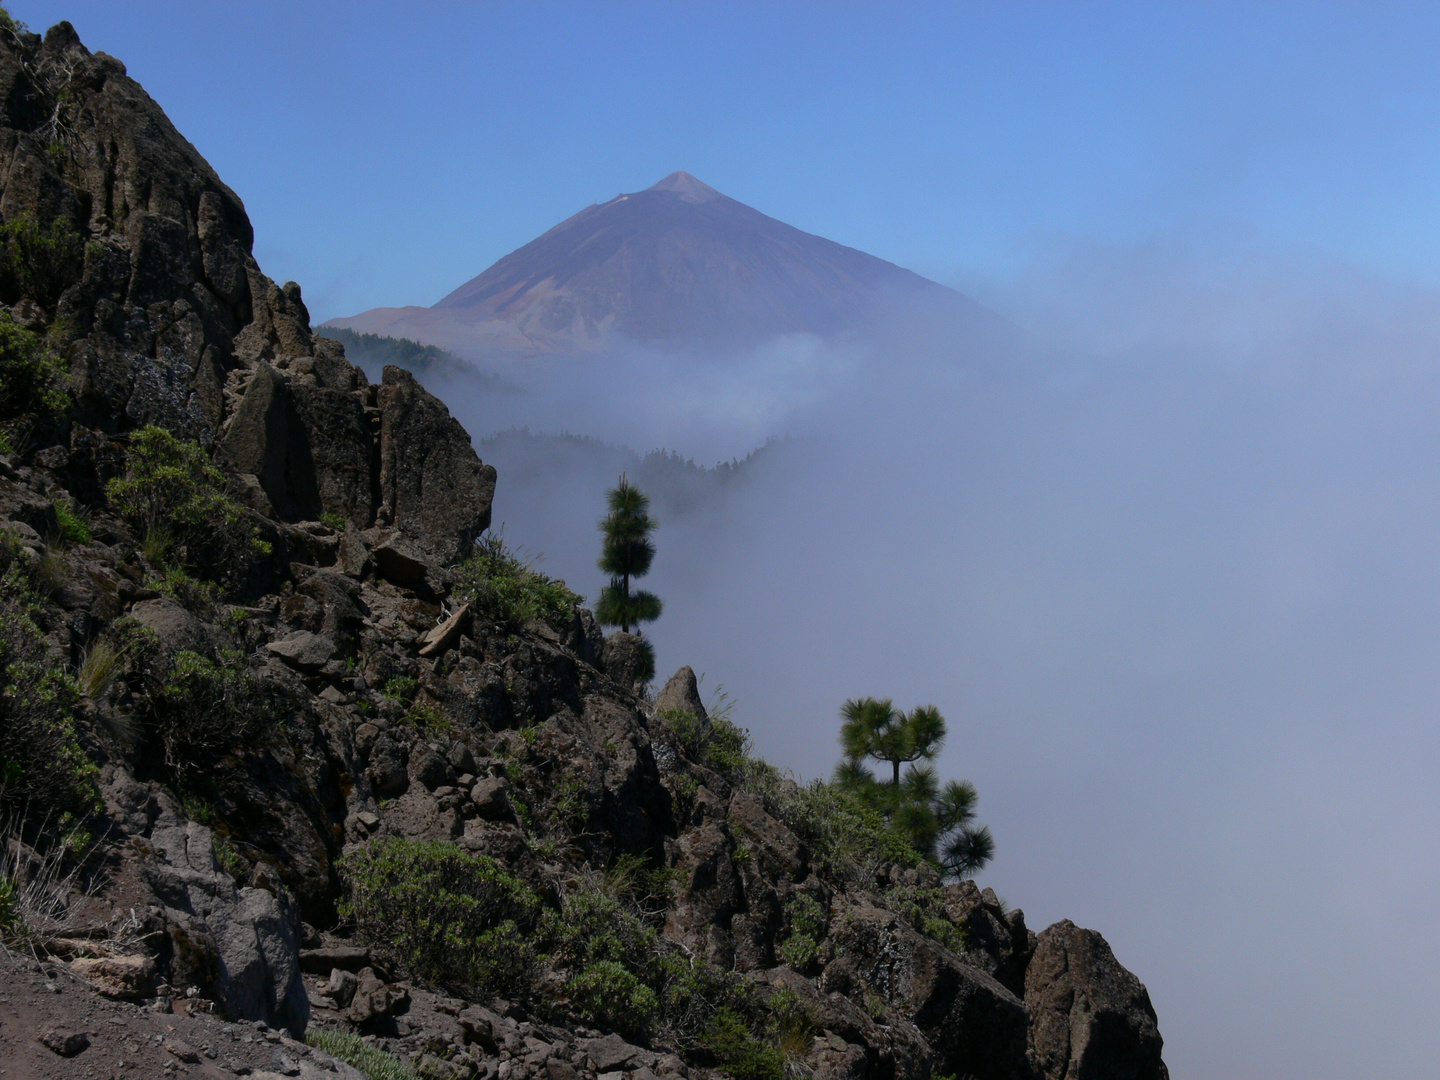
(74,526)
(41,887)
(354,1051)
(100,665)
(507,589)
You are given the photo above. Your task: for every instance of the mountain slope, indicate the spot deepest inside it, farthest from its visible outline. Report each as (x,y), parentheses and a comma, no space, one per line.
(676,265)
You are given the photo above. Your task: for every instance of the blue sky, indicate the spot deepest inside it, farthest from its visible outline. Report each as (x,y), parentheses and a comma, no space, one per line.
(389,152)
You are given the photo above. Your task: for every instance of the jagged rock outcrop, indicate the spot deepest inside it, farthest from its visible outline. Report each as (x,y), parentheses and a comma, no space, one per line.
(172,322)
(252,735)
(1090,1017)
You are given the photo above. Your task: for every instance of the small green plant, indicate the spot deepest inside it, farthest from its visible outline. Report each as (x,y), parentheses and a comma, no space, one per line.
(32,379)
(189,592)
(400,689)
(738,1051)
(350,1048)
(333,520)
(791,1026)
(506,589)
(427,717)
(74,528)
(40,262)
(452,917)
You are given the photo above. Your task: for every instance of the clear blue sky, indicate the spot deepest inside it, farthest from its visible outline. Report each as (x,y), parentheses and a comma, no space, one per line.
(388,152)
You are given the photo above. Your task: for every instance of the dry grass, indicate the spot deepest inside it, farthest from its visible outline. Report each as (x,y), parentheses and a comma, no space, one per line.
(40,887)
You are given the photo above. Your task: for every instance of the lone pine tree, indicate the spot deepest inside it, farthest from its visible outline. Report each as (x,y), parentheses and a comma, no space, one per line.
(937,822)
(626,553)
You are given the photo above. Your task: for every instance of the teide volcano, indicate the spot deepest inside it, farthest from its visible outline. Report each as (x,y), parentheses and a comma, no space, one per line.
(676,265)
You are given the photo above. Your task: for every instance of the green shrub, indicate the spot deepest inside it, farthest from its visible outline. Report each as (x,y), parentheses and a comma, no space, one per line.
(40,262)
(924,909)
(591,927)
(169,484)
(454,918)
(738,1051)
(806,923)
(74,529)
(791,1026)
(41,759)
(355,1051)
(188,592)
(504,588)
(176,497)
(605,993)
(204,709)
(31,378)
(849,839)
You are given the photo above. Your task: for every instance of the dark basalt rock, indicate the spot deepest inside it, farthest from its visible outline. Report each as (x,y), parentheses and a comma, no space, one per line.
(1092,1018)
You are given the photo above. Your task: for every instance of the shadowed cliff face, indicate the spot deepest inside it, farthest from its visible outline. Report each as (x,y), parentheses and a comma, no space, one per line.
(676,265)
(171,321)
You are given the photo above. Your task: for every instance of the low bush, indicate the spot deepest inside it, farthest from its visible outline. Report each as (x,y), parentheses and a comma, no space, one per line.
(738,1051)
(40,261)
(924,909)
(74,529)
(849,839)
(176,497)
(32,379)
(612,997)
(506,589)
(453,918)
(41,760)
(805,924)
(204,709)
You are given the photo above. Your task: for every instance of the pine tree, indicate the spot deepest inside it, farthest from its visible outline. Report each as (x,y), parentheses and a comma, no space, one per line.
(626,553)
(937,822)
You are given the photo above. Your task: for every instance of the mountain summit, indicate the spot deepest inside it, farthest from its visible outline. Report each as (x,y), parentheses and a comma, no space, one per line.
(677,265)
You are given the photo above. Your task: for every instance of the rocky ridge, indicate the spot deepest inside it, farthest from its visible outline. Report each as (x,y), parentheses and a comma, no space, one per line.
(405,709)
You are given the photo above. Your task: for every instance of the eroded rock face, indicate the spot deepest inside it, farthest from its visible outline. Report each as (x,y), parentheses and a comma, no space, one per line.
(172,322)
(971,1022)
(432,485)
(244,938)
(1092,1019)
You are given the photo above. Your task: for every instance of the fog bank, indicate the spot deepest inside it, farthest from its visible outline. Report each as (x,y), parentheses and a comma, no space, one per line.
(1174,584)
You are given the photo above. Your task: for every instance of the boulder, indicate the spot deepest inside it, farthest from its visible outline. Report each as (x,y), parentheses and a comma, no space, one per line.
(432,484)
(244,939)
(304,650)
(626,659)
(682,694)
(126,977)
(491,797)
(1091,1019)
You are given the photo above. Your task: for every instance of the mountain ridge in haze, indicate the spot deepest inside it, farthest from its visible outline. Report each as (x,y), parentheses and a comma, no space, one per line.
(677,265)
